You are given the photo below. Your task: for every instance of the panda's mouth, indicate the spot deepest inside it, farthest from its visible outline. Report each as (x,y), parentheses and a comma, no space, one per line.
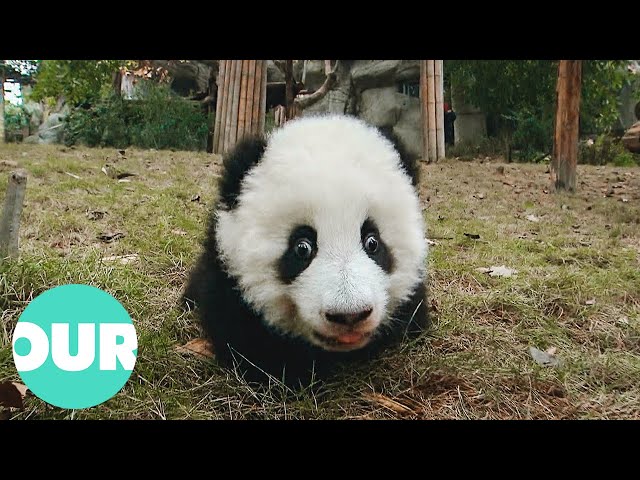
(344,341)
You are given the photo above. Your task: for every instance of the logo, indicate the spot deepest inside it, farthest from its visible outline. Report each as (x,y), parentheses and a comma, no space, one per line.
(75,346)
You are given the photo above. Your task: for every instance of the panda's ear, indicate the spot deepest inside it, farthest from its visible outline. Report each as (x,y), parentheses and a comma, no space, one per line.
(408,161)
(237,163)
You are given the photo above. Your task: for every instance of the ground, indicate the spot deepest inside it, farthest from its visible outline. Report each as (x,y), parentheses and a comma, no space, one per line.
(575,294)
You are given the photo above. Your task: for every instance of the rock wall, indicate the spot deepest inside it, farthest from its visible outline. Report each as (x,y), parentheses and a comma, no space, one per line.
(372,90)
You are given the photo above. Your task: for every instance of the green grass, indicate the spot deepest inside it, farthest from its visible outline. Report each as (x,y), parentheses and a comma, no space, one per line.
(475,362)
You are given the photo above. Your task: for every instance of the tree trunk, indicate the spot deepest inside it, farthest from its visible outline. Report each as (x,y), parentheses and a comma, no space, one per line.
(2,134)
(432,108)
(290,94)
(117,83)
(241,102)
(566,127)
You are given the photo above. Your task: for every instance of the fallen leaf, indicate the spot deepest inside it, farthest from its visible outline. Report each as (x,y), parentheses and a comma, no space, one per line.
(500,170)
(389,403)
(532,218)
(109,237)
(501,271)
(109,171)
(8,163)
(12,394)
(199,346)
(114,173)
(543,358)
(434,305)
(556,391)
(96,214)
(122,259)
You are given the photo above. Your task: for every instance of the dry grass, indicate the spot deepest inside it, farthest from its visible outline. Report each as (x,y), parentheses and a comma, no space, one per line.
(577,291)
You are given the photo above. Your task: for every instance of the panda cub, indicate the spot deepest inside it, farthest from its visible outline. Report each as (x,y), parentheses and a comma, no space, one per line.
(315,253)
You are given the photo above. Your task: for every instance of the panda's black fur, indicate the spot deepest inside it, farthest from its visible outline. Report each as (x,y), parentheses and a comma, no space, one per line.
(239,335)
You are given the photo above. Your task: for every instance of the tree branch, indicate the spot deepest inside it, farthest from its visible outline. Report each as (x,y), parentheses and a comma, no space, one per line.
(306,101)
(282,65)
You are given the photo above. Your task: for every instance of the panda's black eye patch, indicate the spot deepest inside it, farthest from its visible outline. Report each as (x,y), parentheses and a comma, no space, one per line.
(301,251)
(374,247)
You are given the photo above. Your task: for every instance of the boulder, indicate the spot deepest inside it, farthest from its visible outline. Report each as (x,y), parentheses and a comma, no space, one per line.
(631,138)
(51,130)
(35,110)
(381,107)
(374,74)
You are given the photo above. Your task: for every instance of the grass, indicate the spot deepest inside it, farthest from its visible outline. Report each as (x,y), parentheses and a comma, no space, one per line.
(577,290)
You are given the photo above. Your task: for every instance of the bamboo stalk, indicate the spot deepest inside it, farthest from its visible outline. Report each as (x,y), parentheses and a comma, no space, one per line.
(219,102)
(431,111)
(10,221)
(225,106)
(439,89)
(235,105)
(251,85)
(423,110)
(229,102)
(263,97)
(242,105)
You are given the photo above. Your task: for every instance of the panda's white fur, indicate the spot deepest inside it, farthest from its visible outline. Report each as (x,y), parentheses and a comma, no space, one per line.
(331,173)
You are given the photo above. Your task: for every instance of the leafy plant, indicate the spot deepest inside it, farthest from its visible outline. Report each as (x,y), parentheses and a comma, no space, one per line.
(519,97)
(161,120)
(79,81)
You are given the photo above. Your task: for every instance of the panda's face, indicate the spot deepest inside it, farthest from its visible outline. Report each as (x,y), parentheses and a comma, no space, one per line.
(327,236)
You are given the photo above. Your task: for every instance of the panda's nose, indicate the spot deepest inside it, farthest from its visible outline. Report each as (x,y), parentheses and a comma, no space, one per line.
(349,319)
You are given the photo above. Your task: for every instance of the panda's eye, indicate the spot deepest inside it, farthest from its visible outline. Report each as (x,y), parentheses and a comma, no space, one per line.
(303,249)
(371,244)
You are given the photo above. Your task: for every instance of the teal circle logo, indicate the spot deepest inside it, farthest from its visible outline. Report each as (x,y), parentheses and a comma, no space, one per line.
(75,346)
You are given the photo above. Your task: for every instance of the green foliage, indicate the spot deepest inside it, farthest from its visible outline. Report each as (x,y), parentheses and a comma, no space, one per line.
(15,117)
(78,81)
(606,149)
(519,96)
(162,120)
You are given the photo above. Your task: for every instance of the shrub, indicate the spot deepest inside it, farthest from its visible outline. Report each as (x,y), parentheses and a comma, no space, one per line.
(606,149)
(15,119)
(161,120)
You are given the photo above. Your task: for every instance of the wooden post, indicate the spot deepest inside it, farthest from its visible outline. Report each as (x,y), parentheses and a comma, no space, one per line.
(432,108)
(566,128)
(431,111)
(10,221)
(439,87)
(241,102)
(2,134)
